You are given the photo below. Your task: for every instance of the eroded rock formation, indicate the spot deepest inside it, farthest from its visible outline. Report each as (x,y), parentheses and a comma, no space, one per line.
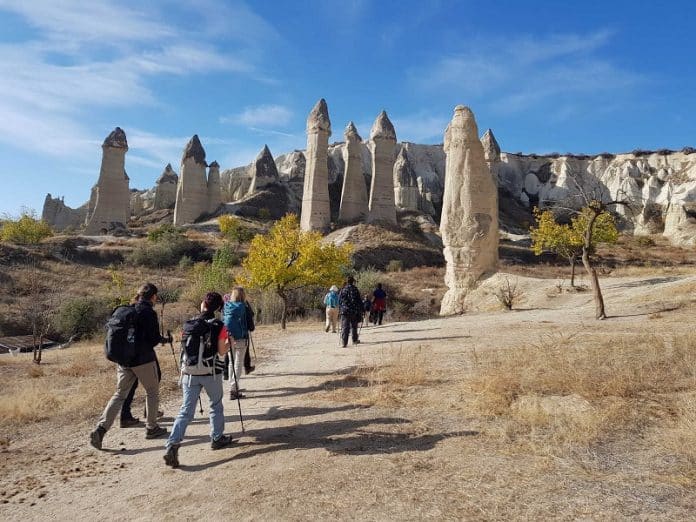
(60,216)
(469,222)
(192,190)
(214,189)
(353,206)
(382,207)
(165,189)
(315,214)
(263,171)
(109,207)
(406,191)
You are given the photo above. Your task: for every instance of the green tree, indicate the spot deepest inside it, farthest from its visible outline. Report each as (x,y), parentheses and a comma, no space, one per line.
(27,229)
(233,230)
(567,240)
(288,259)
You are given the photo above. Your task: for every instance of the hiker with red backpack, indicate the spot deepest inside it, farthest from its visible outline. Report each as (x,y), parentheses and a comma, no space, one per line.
(204,341)
(238,318)
(132,334)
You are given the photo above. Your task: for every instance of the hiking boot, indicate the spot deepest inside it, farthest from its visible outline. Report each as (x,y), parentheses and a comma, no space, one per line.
(222,442)
(249,369)
(96,437)
(130,423)
(234,395)
(171,458)
(155,433)
(326,329)
(356,342)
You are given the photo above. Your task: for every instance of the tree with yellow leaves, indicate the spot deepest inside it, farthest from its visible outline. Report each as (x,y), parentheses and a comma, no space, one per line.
(288,259)
(567,240)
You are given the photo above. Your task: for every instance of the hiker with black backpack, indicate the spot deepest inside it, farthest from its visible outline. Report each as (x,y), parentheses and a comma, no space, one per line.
(239,321)
(204,341)
(132,334)
(351,307)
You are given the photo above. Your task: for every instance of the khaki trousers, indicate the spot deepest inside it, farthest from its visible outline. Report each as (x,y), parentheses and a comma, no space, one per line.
(147,375)
(331,318)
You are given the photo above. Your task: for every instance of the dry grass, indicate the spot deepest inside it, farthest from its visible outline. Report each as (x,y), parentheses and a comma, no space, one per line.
(391,378)
(74,384)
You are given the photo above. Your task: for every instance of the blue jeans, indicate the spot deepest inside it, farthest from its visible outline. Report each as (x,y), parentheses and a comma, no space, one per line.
(191,385)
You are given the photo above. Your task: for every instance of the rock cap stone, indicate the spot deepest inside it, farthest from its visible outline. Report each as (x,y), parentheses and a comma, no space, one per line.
(351,132)
(194,150)
(318,118)
(214,165)
(490,145)
(117,139)
(168,175)
(382,128)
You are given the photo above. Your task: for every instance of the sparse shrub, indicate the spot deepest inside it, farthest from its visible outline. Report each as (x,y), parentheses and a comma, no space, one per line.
(225,256)
(34,371)
(232,229)
(264,213)
(205,277)
(164,232)
(508,294)
(421,308)
(395,265)
(366,280)
(185,262)
(645,241)
(27,229)
(82,316)
(166,251)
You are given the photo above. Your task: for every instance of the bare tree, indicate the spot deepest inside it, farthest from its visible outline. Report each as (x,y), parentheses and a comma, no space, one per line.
(42,310)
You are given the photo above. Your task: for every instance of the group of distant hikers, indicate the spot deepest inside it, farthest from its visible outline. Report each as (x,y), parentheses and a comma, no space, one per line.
(353,309)
(212,350)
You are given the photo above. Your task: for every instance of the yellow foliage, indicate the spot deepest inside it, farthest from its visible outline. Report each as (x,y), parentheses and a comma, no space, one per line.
(288,258)
(567,240)
(25,230)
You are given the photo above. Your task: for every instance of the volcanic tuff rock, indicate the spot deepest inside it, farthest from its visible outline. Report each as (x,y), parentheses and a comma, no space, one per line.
(353,205)
(214,189)
(469,222)
(109,206)
(165,189)
(382,207)
(316,210)
(60,216)
(406,191)
(192,191)
(263,171)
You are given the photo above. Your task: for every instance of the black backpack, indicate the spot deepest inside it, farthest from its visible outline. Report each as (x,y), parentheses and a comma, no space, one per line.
(199,347)
(119,346)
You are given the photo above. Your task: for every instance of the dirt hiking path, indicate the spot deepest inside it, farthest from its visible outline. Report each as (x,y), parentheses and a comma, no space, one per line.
(308,455)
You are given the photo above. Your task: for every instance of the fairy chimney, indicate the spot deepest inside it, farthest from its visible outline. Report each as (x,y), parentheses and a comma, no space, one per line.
(214,187)
(354,193)
(315,214)
(263,171)
(382,207)
(192,190)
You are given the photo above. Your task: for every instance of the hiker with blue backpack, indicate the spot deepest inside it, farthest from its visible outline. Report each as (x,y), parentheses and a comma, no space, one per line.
(204,341)
(331,303)
(238,318)
(131,336)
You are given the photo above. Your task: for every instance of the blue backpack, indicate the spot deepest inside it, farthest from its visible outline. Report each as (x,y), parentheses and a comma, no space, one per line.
(235,319)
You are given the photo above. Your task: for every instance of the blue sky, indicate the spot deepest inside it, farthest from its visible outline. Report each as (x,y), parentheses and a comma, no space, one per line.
(545,76)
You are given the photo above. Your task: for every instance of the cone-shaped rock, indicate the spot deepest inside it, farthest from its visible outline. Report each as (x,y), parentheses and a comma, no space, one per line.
(263,171)
(382,207)
(214,188)
(354,193)
(165,189)
(469,223)
(109,206)
(491,149)
(406,191)
(315,214)
(192,190)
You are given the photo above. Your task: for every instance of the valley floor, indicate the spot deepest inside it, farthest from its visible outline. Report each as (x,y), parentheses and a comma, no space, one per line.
(330,435)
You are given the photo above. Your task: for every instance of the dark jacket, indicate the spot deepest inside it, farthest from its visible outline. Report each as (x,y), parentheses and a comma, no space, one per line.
(147,333)
(349,302)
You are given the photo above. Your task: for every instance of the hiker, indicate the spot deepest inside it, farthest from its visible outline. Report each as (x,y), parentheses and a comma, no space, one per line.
(351,306)
(379,304)
(239,321)
(204,342)
(127,418)
(367,310)
(143,367)
(331,302)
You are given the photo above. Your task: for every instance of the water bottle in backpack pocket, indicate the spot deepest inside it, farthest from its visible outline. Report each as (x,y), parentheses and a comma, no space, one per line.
(199,347)
(119,346)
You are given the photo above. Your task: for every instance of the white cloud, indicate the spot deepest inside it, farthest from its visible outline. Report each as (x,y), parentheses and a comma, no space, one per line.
(518,74)
(261,116)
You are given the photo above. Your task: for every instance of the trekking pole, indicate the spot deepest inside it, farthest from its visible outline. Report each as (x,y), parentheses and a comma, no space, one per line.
(253,348)
(236,383)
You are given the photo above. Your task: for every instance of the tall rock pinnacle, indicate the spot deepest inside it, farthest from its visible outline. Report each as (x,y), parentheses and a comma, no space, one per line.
(192,200)
(406,192)
(382,207)
(109,205)
(263,171)
(491,149)
(469,222)
(315,214)
(354,193)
